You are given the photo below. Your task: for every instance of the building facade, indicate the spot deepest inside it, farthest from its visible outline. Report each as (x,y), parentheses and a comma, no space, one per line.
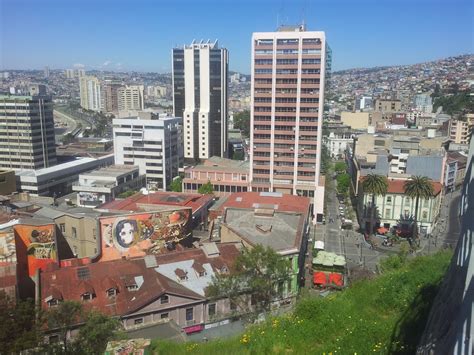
(7,182)
(226,176)
(287,94)
(110,96)
(104,185)
(90,93)
(155,145)
(200,82)
(459,131)
(131,97)
(26,132)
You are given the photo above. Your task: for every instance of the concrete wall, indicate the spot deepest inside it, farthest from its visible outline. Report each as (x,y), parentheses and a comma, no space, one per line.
(357,120)
(85,244)
(7,182)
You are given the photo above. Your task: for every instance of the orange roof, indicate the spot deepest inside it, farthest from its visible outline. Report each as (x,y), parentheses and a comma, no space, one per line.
(398,187)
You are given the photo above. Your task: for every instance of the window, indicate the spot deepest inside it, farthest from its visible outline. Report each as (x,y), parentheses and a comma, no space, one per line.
(62,227)
(424,215)
(138,321)
(211,309)
(74,232)
(426,202)
(87,296)
(407,201)
(53,302)
(189,314)
(388,212)
(111,292)
(164,299)
(164,315)
(132,287)
(389,200)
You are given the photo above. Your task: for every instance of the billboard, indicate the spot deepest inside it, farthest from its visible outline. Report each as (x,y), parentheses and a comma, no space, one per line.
(38,243)
(139,234)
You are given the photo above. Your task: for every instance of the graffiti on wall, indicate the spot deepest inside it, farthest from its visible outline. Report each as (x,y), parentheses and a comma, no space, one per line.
(7,246)
(40,244)
(139,234)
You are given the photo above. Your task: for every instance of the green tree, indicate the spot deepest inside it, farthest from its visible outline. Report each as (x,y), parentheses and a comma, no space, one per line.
(177,184)
(242,122)
(20,329)
(340,167)
(238,155)
(206,189)
(375,185)
(255,280)
(126,194)
(64,318)
(343,183)
(418,187)
(98,330)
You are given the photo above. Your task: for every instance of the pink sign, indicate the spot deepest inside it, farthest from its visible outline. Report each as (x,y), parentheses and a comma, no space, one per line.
(194,329)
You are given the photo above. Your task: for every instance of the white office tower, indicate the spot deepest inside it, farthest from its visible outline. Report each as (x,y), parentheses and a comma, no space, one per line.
(200,81)
(154,144)
(90,93)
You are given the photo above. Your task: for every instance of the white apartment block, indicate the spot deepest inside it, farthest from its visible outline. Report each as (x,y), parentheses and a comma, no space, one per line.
(200,82)
(154,145)
(130,97)
(90,93)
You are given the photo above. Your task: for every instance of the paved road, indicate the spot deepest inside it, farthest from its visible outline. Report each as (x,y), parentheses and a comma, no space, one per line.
(345,242)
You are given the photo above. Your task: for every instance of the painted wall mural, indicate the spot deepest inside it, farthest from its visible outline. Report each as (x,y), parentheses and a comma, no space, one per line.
(7,246)
(138,234)
(39,243)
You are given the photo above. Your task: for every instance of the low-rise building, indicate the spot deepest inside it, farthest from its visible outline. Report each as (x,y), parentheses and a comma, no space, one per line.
(226,176)
(147,291)
(274,220)
(395,206)
(387,105)
(58,180)
(338,140)
(105,184)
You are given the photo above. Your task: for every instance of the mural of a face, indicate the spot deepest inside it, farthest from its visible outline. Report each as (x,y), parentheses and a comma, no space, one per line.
(125,232)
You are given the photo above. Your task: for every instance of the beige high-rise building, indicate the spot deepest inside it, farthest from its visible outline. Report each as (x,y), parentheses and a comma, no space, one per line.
(289,70)
(27,135)
(90,93)
(459,131)
(130,97)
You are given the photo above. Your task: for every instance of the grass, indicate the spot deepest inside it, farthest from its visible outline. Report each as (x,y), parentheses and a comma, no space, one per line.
(385,315)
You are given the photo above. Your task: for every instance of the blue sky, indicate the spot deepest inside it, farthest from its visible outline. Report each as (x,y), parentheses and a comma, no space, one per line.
(139,34)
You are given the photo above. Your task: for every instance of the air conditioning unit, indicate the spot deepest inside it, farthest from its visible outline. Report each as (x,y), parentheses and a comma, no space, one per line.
(291,148)
(302,149)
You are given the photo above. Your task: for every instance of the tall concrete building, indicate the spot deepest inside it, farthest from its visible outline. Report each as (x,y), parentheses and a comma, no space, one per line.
(90,93)
(154,144)
(27,132)
(289,68)
(200,81)
(131,97)
(109,95)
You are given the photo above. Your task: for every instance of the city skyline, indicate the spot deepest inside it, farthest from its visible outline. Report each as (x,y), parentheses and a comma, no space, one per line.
(138,37)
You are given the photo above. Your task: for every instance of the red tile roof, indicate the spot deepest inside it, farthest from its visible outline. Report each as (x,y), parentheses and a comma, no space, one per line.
(251,200)
(132,203)
(398,187)
(70,283)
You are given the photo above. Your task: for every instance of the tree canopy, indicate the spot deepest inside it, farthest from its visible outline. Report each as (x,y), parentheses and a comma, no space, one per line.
(456,103)
(419,187)
(340,167)
(343,183)
(242,122)
(177,184)
(375,184)
(257,272)
(206,189)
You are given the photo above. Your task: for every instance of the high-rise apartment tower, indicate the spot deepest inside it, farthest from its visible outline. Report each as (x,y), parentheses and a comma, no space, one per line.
(91,98)
(289,69)
(200,80)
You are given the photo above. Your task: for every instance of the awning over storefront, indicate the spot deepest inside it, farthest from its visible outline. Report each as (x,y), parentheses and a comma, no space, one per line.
(336,279)
(319,278)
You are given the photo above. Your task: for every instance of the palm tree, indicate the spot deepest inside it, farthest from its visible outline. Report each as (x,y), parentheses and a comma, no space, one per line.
(376,185)
(418,187)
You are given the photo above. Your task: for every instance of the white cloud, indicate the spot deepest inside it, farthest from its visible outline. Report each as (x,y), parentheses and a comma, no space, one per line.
(106,63)
(79,65)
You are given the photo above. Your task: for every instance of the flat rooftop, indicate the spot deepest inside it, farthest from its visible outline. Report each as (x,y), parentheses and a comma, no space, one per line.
(110,171)
(223,164)
(282,231)
(60,167)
